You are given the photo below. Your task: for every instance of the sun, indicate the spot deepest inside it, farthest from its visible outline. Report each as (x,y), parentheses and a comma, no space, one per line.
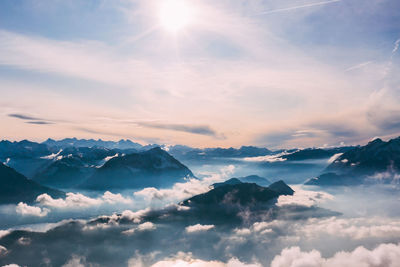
(175,15)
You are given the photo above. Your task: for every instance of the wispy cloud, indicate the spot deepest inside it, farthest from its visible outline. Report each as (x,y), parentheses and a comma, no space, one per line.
(358,66)
(30,119)
(268,83)
(396,46)
(23,116)
(300,6)
(194,129)
(40,122)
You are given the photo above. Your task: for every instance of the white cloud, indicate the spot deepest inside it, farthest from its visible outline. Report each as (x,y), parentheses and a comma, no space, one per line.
(385,255)
(243,231)
(354,228)
(181,191)
(273,158)
(11,265)
(263,227)
(115,198)
(375,228)
(389,175)
(147,226)
(334,157)
(25,209)
(136,217)
(198,228)
(72,200)
(78,200)
(304,198)
(186,260)
(77,261)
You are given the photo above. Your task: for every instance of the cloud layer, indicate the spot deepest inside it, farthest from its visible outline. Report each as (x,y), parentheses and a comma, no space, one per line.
(385,255)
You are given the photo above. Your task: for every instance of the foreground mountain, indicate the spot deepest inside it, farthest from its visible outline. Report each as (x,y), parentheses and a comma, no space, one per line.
(240,226)
(152,168)
(245,194)
(14,187)
(376,162)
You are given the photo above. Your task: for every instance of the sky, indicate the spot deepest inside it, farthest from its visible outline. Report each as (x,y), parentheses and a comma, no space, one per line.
(275,73)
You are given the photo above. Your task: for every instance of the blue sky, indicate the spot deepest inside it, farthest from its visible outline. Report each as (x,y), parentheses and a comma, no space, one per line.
(275,73)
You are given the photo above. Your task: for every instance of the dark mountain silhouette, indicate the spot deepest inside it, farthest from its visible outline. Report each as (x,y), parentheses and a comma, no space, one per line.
(24,156)
(282,188)
(315,153)
(14,187)
(73,165)
(23,149)
(67,172)
(376,162)
(376,156)
(231,181)
(152,168)
(244,194)
(333,179)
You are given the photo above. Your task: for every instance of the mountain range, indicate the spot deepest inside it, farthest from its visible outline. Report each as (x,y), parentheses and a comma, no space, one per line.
(315,153)
(151,168)
(376,162)
(234,192)
(74,142)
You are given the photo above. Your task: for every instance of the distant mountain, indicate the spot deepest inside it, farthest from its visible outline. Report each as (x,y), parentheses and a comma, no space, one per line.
(73,165)
(333,179)
(14,187)
(244,194)
(152,168)
(23,149)
(74,142)
(376,156)
(315,153)
(310,153)
(244,151)
(66,172)
(376,162)
(24,156)
(184,152)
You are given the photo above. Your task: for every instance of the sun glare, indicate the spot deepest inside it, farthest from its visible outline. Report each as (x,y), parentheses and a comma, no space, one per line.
(175,15)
